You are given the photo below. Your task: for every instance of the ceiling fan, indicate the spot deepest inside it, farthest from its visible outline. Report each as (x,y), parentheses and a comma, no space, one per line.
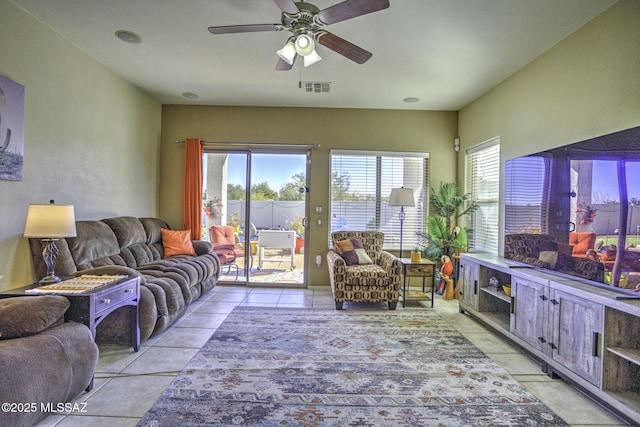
(306,22)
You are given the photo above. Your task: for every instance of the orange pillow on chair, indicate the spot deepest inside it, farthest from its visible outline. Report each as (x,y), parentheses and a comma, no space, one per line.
(177,242)
(582,241)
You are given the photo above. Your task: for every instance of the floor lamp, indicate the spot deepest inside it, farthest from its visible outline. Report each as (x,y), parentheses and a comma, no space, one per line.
(50,223)
(401,197)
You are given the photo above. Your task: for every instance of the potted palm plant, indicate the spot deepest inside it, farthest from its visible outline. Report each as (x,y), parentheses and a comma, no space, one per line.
(443,236)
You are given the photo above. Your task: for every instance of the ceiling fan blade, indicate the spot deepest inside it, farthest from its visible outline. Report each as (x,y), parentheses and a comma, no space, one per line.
(283,65)
(350,9)
(228,29)
(287,6)
(343,47)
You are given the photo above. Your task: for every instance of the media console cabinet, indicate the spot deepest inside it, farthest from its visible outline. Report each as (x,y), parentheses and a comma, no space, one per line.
(586,334)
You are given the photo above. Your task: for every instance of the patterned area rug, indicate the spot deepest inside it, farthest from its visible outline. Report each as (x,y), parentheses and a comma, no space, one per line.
(315,367)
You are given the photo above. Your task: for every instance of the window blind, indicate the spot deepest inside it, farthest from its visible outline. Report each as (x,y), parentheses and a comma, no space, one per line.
(526,194)
(483,177)
(361,183)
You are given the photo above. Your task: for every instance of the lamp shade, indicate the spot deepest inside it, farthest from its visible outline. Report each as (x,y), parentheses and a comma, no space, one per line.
(288,52)
(50,221)
(311,59)
(304,45)
(401,197)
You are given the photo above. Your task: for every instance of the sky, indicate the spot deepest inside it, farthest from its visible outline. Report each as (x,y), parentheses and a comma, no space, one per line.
(604,181)
(276,169)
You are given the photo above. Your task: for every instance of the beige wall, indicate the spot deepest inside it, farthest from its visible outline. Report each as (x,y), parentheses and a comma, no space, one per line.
(419,131)
(91,139)
(585,86)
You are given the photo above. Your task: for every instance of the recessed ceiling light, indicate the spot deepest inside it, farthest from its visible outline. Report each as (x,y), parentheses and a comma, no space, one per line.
(128,36)
(411,100)
(190,95)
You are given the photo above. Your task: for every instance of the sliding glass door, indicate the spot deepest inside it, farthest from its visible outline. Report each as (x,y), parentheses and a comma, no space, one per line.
(255,210)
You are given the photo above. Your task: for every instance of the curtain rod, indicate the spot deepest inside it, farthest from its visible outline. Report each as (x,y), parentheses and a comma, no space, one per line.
(254,144)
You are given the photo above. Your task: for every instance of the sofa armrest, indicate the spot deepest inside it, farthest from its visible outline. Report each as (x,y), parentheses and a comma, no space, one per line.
(202,247)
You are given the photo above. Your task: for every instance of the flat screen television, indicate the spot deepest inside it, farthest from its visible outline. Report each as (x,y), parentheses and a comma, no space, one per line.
(584,197)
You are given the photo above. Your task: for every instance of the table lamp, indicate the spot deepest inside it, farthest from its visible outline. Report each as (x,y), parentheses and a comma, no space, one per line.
(401,197)
(50,223)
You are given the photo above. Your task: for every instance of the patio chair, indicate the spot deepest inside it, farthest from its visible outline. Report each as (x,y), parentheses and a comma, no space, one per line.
(228,249)
(359,270)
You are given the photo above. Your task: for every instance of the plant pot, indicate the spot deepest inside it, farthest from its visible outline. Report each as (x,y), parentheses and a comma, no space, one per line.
(299,245)
(416,257)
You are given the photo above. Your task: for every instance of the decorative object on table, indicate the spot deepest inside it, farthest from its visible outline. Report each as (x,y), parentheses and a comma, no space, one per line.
(77,285)
(507,289)
(443,238)
(401,197)
(416,255)
(445,274)
(50,223)
(11,130)
(331,370)
(493,281)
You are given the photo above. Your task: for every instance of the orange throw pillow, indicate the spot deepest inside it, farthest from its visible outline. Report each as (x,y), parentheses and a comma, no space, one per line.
(177,242)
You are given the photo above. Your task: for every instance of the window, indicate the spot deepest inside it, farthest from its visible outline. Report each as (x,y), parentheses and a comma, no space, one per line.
(483,175)
(361,183)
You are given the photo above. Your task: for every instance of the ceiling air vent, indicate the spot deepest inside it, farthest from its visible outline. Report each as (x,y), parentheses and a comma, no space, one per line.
(315,87)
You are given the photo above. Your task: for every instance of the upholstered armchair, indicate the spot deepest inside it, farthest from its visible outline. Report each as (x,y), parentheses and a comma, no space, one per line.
(227,248)
(359,270)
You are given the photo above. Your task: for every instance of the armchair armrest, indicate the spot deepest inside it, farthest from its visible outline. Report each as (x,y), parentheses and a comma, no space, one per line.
(389,261)
(333,260)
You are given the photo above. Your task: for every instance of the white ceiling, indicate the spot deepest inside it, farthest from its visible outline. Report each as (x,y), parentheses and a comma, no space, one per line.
(444,52)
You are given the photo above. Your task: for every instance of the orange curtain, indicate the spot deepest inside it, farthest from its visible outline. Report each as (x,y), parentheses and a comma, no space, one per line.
(192,188)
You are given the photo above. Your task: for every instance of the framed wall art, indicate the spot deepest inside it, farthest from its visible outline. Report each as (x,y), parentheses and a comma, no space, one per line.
(11,129)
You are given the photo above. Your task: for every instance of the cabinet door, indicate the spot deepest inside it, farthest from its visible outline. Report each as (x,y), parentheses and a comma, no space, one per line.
(528,311)
(469,286)
(576,334)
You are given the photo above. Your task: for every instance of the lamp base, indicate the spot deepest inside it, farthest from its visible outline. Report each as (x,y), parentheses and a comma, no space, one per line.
(50,279)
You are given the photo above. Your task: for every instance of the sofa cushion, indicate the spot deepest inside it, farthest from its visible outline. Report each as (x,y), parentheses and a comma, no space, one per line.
(550,257)
(94,241)
(352,251)
(24,316)
(128,230)
(177,242)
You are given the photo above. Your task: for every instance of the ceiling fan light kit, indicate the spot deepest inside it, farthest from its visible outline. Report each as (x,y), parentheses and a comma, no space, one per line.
(288,52)
(306,22)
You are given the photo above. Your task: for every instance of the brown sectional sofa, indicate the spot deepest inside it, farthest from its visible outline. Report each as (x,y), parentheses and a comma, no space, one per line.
(133,246)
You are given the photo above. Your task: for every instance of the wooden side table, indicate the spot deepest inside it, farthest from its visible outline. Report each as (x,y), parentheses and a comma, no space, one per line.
(92,307)
(424,269)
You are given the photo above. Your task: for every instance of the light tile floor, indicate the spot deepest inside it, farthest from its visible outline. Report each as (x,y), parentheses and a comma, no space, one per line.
(128,383)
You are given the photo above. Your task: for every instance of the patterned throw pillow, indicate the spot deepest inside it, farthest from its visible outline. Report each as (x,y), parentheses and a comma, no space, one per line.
(352,251)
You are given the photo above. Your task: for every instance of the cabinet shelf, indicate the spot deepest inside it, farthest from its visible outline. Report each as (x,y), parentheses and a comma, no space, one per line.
(497,319)
(630,354)
(496,293)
